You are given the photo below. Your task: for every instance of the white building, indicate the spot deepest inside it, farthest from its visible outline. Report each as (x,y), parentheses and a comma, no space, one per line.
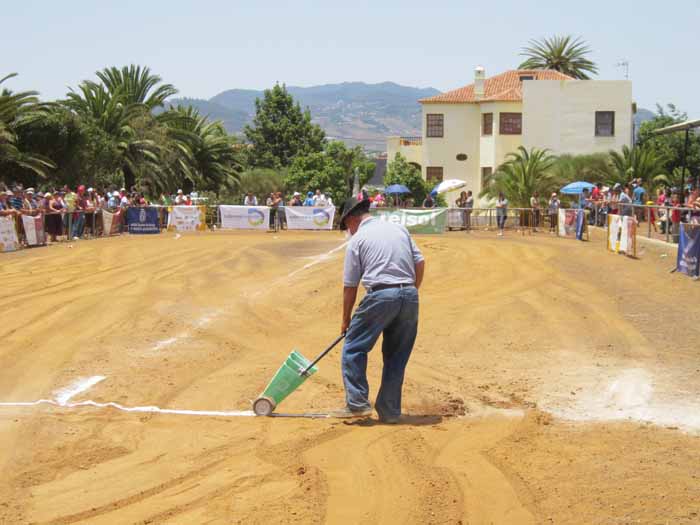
(467,132)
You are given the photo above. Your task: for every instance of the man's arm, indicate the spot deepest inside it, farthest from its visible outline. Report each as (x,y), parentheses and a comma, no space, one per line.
(349,296)
(420,270)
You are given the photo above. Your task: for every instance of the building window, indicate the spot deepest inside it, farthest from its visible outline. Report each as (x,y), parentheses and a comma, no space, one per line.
(435,125)
(604,123)
(485,174)
(434,174)
(510,124)
(487,124)
(527,77)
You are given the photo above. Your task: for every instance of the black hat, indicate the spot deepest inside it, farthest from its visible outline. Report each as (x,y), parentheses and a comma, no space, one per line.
(351,205)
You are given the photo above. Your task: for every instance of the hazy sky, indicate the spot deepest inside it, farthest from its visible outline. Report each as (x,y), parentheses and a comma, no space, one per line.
(204,47)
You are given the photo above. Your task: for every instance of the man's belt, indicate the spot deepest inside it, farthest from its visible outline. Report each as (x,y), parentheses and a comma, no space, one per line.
(378,287)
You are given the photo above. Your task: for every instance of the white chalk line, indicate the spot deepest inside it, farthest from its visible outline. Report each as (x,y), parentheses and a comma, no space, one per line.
(63,395)
(317,259)
(204,321)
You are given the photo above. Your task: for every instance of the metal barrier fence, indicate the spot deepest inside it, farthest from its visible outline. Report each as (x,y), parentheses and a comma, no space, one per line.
(519,219)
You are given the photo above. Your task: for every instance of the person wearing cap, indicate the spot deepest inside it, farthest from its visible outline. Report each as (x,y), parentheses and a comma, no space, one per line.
(309,199)
(179,198)
(382,256)
(553,212)
(296,199)
(5,208)
(113,201)
(16,198)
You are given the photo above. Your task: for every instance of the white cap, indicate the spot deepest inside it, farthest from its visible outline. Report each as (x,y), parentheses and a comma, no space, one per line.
(179,192)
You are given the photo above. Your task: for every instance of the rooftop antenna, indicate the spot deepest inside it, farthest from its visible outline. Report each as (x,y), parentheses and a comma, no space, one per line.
(625,64)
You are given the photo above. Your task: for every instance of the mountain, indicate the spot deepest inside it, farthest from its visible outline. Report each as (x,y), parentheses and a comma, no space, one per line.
(354,112)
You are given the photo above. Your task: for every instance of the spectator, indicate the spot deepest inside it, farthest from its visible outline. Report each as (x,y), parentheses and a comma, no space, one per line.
(17,198)
(428,202)
(113,201)
(675,215)
(638,200)
(466,202)
(553,210)
(535,205)
(250,199)
(296,199)
(321,201)
(123,199)
(379,200)
(316,197)
(5,208)
(179,198)
(188,200)
(626,208)
(29,204)
(501,213)
(309,199)
(53,210)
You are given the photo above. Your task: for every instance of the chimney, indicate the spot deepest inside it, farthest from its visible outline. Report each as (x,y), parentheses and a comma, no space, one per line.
(479,76)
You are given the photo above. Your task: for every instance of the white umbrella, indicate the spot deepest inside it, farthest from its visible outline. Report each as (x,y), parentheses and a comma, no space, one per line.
(449,185)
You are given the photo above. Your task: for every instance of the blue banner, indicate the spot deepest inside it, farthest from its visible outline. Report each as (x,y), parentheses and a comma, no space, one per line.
(688,260)
(143,220)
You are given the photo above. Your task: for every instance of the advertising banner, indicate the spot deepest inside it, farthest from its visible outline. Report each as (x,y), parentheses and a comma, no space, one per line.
(34,230)
(622,235)
(245,217)
(688,260)
(416,221)
(111,222)
(308,218)
(143,220)
(187,218)
(572,223)
(8,235)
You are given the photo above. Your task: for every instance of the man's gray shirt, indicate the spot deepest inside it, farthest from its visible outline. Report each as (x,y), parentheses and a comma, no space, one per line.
(380,252)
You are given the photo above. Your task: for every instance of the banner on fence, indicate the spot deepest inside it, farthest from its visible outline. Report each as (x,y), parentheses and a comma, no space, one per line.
(456,218)
(622,235)
(688,260)
(143,220)
(8,235)
(572,223)
(187,218)
(34,230)
(308,218)
(245,217)
(416,221)
(111,222)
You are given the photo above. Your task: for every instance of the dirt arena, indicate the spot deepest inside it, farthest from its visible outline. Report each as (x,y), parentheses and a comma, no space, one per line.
(551,382)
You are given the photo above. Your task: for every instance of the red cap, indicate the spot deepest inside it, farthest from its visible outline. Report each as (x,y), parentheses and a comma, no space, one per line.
(81,188)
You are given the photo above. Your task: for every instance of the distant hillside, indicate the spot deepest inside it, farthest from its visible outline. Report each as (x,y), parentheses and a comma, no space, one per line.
(354,112)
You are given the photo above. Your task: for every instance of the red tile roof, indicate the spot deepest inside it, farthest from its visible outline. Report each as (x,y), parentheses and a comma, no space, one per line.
(503,87)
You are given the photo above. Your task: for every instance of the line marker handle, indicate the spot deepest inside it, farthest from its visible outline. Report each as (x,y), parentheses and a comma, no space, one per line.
(322,354)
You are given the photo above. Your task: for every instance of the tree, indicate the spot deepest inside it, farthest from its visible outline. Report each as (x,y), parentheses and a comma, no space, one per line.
(281,131)
(399,171)
(560,53)
(331,170)
(594,168)
(670,147)
(521,175)
(641,162)
(17,112)
(136,85)
(208,156)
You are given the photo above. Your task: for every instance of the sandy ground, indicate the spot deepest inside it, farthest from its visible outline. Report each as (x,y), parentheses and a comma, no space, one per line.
(551,382)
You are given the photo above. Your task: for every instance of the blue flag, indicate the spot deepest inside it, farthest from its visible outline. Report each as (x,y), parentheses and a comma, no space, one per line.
(580,224)
(688,260)
(143,220)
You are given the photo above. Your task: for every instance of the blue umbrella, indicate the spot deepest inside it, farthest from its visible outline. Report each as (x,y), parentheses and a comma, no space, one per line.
(576,188)
(396,189)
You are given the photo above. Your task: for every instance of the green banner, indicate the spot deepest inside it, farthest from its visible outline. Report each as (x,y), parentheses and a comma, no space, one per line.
(416,221)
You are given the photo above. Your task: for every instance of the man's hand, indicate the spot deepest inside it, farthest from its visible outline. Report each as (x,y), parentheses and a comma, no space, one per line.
(344,326)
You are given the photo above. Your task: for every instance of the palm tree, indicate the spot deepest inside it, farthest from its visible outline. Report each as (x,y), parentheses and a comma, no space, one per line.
(524,173)
(561,53)
(122,121)
(594,167)
(208,156)
(18,110)
(641,162)
(671,180)
(136,85)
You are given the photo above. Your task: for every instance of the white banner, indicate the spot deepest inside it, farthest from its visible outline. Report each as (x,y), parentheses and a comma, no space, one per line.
(8,235)
(34,230)
(187,218)
(308,218)
(622,235)
(245,217)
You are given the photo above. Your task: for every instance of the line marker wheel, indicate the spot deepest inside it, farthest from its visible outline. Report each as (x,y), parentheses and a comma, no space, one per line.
(263,406)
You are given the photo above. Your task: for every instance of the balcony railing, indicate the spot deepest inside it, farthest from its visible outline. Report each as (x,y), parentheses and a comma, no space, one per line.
(410,141)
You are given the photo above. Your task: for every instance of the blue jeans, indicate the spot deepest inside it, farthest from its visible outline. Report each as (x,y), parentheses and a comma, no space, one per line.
(393,311)
(501,221)
(78,225)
